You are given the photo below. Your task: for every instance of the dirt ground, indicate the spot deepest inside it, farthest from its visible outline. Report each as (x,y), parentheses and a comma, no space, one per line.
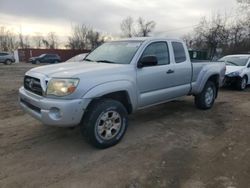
(173,145)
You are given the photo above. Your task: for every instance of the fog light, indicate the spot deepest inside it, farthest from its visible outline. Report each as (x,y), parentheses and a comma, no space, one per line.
(55,113)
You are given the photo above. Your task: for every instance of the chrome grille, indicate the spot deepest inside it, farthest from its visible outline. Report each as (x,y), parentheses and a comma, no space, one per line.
(33,84)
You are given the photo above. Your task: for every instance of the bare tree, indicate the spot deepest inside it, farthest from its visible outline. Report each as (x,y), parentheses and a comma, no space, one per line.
(188,40)
(210,34)
(26,41)
(7,40)
(127,27)
(83,38)
(94,39)
(219,32)
(21,42)
(237,33)
(52,40)
(145,27)
(240,29)
(245,3)
(37,39)
(45,43)
(77,40)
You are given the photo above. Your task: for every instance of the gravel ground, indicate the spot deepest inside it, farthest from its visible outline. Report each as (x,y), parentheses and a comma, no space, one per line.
(173,145)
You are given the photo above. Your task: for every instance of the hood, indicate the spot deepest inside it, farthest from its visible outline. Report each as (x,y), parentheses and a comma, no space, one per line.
(72,69)
(230,69)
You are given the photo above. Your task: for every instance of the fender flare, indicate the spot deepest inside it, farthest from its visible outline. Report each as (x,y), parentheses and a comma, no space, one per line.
(202,79)
(111,87)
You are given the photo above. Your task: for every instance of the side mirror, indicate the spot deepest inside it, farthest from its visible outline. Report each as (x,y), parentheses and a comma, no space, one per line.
(148,61)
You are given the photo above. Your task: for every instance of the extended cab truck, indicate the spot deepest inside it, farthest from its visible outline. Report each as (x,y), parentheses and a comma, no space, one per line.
(114,80)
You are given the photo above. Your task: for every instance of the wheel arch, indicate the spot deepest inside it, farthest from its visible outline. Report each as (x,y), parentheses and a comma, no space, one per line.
(121,91)
(216,80)
(122,97)
(202,80)
(245,75)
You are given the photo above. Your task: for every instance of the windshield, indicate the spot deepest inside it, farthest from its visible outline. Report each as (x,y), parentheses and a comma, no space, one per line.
(235,60)
(120,52)
(42,55)
(77,58)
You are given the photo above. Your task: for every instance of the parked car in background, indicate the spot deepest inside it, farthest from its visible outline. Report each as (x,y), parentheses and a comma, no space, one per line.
(77,58)
(237,70)
(45,58)
(6,58)
(117,79)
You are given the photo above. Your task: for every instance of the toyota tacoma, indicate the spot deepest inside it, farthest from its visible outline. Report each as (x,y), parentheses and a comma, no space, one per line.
(114,80)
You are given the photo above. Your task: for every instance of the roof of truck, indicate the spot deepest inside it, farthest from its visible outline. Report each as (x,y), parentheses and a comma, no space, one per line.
(147,39)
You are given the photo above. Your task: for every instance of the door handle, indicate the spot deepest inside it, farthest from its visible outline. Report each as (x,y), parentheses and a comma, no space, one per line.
(170,71)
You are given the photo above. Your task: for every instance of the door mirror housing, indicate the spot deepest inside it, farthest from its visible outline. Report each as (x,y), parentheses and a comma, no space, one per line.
(148,61)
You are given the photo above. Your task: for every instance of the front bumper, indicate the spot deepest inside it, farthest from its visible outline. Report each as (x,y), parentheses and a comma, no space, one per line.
(230,80)
(55,112)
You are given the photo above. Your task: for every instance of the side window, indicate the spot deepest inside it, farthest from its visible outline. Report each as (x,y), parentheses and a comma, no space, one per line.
(158,49)
(49,56)
(179,52)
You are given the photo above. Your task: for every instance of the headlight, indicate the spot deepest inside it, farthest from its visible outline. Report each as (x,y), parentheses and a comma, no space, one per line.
(234,74)
(62,87)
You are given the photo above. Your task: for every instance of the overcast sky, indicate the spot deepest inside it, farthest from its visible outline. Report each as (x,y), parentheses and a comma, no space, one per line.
(173,17)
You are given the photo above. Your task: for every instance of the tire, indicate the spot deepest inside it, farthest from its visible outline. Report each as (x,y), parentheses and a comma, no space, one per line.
(206,98)
(8,62)
(56,61)
(104,123)
(241,83)
(37,62)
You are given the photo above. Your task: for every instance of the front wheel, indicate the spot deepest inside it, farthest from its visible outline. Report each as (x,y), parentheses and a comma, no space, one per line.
(205,99)
(242,83)
(104,123)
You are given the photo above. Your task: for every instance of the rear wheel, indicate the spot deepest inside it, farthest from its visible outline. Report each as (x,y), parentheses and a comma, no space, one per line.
(104,123)
(205,99)
(242,83)
(8,62)
(37,62)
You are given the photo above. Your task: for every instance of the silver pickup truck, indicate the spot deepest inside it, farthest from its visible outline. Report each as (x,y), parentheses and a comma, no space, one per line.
(114,80)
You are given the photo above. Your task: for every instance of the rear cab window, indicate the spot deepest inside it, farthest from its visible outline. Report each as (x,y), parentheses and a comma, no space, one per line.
(50,56)
(179,52)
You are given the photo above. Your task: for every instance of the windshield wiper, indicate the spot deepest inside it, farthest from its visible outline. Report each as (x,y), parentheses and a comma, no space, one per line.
(232,63)
(87,60)
(105,61)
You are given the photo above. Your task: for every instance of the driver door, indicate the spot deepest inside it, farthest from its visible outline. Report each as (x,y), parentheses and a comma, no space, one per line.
(153,81)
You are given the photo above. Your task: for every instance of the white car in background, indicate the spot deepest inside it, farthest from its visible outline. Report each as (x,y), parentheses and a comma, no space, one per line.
(237,70)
